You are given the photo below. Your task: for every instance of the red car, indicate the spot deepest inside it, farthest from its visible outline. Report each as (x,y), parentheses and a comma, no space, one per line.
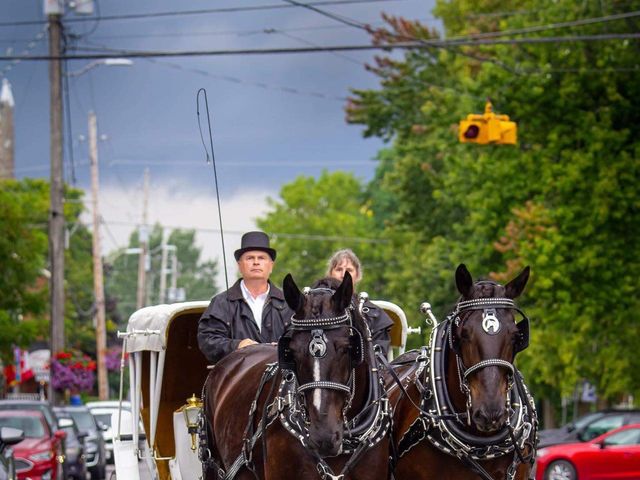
(36,456)
(611,456)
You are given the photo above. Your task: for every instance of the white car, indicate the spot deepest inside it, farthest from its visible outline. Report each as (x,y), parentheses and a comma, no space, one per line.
(103,411)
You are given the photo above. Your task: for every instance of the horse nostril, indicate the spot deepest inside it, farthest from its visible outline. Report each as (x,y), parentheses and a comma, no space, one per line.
(488,419)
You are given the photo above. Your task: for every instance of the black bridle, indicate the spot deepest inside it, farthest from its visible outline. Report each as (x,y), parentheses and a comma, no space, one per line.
(317,346)
(491,325)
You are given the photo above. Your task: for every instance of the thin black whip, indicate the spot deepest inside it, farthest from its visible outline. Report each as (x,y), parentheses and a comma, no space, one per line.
(215,172)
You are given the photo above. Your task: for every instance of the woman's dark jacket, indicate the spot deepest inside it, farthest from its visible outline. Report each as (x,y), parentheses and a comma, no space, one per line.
(229,319)
(380,325)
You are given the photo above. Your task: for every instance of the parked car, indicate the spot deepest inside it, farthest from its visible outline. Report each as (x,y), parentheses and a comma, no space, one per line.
(8,436)
(42,406)
(36,455)
(95,451)
(588,427)
(102,411)
(614,455)
(50,416)
(74,466)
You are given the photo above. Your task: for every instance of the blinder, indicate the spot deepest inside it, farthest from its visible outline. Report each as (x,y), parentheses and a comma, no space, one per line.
(522,341)
(285,355)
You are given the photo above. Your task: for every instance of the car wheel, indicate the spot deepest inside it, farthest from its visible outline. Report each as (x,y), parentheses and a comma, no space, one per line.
(560,470)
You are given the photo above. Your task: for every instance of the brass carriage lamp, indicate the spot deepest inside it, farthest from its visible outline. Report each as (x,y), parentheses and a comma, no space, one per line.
(191,413)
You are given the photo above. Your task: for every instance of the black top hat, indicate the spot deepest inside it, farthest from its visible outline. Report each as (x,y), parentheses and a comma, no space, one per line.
(255,241)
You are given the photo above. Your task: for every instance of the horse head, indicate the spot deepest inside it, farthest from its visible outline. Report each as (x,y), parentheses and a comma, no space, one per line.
(321,349)
(485,338)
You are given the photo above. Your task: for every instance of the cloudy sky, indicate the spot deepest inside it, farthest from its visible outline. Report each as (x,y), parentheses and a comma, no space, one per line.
(274,117)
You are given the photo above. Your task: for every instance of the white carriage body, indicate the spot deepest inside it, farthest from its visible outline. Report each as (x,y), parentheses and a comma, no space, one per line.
(166,368)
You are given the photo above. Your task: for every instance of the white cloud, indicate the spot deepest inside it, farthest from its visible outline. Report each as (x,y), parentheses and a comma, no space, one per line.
(175,206)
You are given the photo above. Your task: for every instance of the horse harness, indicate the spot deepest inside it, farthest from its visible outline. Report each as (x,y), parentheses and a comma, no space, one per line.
(438,421)
(289,403)
(363,431)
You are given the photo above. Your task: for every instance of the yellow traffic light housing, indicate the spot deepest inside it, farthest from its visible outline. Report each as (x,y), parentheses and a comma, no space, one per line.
(488,128)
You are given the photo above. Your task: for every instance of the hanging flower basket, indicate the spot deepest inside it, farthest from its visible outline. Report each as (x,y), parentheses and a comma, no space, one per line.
(73,371)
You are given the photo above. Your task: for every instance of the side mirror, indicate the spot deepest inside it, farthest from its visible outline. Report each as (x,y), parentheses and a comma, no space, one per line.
(60,434)
(11,436)
(602,445)
(82,434)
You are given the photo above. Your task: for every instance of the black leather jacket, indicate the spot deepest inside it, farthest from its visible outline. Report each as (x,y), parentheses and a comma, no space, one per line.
(228,319)
(380,325)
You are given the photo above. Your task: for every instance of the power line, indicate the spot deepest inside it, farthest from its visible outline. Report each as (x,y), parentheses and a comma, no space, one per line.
(553,26)
(332,48)
(333,16)
(239,33)
(306,42)
(298,236)
(229,78)
(176,13)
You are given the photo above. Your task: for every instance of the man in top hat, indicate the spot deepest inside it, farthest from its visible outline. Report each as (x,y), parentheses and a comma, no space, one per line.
(252,311)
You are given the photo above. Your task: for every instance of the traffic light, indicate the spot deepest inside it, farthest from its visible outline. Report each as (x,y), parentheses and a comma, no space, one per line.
(488,128)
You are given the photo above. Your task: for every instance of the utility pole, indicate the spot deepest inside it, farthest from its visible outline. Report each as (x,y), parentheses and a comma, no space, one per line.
(163,269)
(143,236)
(56,209)
(98,283)
(7,143)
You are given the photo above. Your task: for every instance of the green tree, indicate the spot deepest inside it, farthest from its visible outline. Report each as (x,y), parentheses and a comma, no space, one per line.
(318,217)
(197,277)
(23,256)
(564,201)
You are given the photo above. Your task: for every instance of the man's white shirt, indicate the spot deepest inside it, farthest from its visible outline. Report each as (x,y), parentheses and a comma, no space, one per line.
(256,304)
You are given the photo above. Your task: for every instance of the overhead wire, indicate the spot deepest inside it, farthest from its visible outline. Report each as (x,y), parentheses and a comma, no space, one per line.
(176,13)
(306,42)
(330,48)
(228,78)
(299,236)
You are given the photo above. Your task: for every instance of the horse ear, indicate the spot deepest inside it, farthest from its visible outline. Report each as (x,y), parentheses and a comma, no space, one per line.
(464,282)
(292,294)
(342,297)
(514,288)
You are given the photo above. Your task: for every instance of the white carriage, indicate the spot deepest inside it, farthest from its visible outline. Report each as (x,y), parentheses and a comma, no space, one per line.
(166,375)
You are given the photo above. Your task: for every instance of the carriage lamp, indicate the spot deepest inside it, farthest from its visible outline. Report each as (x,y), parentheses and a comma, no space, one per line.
(191,413)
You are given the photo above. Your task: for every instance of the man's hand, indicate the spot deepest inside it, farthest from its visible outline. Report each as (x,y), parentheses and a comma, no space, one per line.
(246,342)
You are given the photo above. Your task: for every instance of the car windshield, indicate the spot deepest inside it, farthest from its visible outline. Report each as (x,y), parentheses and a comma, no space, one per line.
(602,425)
(84,420)
(588,418)
(104,418)
(40,407)
(31,426)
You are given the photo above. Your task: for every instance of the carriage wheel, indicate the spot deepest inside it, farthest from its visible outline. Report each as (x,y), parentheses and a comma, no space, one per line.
(560,470)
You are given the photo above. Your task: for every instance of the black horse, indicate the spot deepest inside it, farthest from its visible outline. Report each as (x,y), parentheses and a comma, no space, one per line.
(461,408)
(310,409)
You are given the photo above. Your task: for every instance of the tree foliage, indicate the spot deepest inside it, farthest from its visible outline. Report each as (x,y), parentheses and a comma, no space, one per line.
(319,217)
(197,277)
(565,201)
(25,267)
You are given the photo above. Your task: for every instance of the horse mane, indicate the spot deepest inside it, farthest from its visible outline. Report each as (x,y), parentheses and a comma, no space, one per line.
(358,321)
